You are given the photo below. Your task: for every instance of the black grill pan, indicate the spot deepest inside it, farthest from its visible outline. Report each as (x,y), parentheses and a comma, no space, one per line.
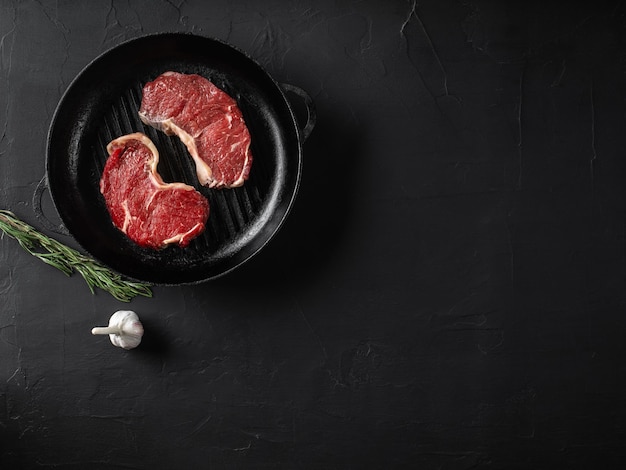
(102,103)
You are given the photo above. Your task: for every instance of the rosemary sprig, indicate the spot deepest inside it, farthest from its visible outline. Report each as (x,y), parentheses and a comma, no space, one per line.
(68,260)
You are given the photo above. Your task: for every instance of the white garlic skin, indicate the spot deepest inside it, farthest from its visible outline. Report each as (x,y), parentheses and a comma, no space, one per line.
(131,330)
(124,330)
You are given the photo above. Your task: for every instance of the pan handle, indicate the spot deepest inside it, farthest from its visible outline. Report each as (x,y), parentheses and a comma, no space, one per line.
(311,116)
(45,221)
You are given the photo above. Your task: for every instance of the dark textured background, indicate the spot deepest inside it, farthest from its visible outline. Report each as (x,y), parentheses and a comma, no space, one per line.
(448,292)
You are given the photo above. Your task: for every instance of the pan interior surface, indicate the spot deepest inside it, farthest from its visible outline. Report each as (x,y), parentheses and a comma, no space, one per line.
(102,103)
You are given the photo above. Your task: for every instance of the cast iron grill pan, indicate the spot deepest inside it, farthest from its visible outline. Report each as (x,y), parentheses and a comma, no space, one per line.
(102,103)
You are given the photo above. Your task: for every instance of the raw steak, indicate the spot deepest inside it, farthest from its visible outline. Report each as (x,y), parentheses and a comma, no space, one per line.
(150,212)
(207,120)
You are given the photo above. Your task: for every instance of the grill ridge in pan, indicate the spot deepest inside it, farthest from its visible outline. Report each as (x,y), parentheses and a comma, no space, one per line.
(102,103)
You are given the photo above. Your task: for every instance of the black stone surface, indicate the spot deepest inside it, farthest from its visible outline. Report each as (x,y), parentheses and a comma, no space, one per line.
(447,293)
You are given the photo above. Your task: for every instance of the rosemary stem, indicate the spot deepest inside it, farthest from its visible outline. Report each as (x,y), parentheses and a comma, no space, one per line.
(69,260)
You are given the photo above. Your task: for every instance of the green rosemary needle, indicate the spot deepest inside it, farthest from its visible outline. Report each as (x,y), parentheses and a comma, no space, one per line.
(68,260)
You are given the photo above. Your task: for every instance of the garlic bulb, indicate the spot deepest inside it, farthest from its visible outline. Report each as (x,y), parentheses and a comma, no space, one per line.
(124,330)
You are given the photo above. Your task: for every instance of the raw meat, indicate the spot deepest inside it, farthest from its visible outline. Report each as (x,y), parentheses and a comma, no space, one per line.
(207,120)
(149,211)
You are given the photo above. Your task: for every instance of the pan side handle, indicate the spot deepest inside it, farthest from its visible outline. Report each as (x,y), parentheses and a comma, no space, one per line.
(311,116)
(37,208)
